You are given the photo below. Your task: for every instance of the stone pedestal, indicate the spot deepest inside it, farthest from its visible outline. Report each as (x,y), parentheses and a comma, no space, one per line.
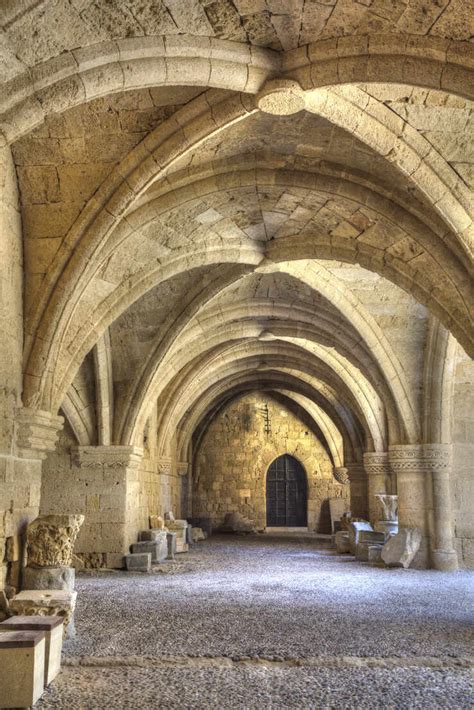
(22,658)
(52,626)
(49,578)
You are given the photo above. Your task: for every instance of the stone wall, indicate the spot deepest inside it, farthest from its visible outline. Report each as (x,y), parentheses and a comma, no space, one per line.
(116,500)
(463,458)
(230,467)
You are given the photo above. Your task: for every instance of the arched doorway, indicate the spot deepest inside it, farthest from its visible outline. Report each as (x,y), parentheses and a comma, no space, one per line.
(287,497)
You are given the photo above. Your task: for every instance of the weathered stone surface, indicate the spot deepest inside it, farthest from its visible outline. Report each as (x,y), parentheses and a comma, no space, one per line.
(198,534)
(171,544)
(157,548)
(49,578)
(50,540)
(342,542)
(138,562)
(156,522)
(374,554)
(236,522)
(354,530)
(47,603)
(401,549)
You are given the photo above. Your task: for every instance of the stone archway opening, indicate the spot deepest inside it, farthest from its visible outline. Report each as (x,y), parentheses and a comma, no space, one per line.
(286,494)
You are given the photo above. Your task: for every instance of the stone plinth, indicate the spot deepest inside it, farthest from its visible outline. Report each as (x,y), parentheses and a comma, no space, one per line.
(52,626)
(46,602)
(50,540)
(22,659)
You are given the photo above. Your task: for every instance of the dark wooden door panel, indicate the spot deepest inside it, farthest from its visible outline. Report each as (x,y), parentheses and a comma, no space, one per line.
(286,493)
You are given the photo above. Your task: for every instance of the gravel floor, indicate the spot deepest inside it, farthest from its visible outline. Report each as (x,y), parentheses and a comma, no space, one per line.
(264,597)
(245,619)
(258,688)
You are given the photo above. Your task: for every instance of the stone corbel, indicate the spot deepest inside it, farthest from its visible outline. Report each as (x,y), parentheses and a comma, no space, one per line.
(107,456)
(182,468)
(37,432)
(164,466)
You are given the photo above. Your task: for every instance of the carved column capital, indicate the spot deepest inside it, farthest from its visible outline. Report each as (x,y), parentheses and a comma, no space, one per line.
(165,466)
(37,432)
(182,468)
(341,474)
(421,458)
(376,463)
(107,456)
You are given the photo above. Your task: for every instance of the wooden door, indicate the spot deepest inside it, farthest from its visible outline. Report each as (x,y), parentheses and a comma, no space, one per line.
(286,493)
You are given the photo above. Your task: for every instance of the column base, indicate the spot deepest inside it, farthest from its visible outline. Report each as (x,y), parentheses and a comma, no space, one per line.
(445,560)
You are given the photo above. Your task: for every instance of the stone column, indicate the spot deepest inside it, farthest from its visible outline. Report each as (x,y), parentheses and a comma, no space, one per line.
(114,511)
(413,494)
(424,500)
(358,483)
(378,471)
(438,458)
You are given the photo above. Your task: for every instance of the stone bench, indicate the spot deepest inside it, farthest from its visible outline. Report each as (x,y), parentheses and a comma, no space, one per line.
(22,660)
(52,626)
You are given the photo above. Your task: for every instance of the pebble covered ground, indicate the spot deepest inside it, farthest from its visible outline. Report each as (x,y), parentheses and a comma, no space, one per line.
(241,601)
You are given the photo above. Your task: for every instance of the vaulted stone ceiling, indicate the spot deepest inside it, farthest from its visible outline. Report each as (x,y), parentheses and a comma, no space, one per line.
(182,245)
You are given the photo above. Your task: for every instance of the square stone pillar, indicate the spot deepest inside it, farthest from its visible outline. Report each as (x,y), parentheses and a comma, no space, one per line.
(36,433)
(377,467)
(114,483)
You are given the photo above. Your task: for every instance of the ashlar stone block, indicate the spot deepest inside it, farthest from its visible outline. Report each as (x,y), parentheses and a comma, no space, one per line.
(138,562)
(49,578)
(52,626)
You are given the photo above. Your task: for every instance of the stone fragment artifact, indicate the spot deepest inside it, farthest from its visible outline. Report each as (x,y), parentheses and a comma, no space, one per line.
(50,540)
(401,549)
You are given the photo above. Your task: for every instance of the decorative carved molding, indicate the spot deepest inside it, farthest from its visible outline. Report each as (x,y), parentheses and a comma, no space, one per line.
(341,475)
(422,458)
(107,456)
(37,432)
(182,468)
(164,466)
(377,463)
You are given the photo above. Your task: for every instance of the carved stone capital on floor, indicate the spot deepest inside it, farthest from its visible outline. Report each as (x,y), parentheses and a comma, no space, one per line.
(37,432)
(107,456)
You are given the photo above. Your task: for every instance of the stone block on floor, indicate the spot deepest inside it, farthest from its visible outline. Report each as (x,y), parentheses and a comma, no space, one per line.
(22,659)
(52,626)
(401,549)
(342,542)
(47,602)
(375,554)
(354,530)
(138,562)
(158,548)
(371,537)
(49,578)
(150,535)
